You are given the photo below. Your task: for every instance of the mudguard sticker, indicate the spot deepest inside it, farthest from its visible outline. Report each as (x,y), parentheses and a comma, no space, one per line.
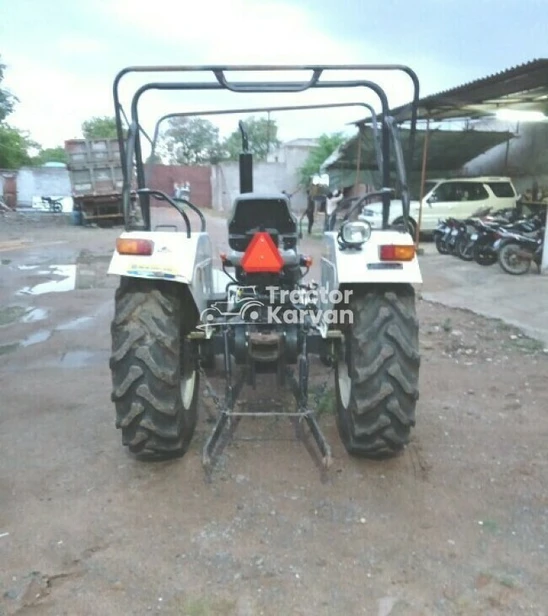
(152,267)
(151,274)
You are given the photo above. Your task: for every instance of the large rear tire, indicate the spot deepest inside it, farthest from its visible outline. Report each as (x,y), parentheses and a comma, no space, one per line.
(155,381)
(377,380)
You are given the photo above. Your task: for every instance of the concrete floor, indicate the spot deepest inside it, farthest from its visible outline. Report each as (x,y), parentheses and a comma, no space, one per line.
(521,301)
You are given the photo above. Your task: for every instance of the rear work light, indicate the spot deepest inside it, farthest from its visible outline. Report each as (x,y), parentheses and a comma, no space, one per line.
(262,255)
(393,252)
(130,246)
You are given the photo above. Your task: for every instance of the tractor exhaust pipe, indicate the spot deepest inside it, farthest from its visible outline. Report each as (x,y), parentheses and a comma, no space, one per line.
(246,163)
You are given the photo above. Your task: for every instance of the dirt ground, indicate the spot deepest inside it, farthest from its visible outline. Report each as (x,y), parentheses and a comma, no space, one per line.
(456,525)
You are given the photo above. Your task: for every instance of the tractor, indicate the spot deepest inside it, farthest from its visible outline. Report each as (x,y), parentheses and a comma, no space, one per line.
(176,315)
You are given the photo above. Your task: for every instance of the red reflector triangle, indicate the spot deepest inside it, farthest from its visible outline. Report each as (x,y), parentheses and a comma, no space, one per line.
(262,255)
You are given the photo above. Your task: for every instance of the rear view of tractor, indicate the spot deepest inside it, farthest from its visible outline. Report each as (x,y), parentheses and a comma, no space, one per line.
(176,314)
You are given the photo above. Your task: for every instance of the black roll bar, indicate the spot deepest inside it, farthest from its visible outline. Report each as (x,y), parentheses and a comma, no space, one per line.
(161,196)
(252,87)
(245,137)
(208,112)
(221,69)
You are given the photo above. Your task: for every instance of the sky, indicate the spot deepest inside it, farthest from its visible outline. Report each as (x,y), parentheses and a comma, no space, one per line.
(62,55)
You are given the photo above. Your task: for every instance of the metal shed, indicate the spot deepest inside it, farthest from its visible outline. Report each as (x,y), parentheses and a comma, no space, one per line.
(448,150)
(523,88)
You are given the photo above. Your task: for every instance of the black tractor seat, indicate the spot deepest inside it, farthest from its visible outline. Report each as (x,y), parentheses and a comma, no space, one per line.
(253,213)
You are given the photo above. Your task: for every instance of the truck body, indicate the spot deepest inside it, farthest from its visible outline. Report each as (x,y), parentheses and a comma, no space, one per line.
(96,178)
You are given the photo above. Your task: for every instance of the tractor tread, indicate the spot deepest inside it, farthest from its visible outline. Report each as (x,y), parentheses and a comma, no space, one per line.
(383,370)
(147,332)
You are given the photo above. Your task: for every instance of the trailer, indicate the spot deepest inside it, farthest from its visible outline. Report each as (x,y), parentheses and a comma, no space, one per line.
(96,178)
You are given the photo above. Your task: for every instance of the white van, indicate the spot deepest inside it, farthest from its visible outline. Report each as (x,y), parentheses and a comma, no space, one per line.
(456,198)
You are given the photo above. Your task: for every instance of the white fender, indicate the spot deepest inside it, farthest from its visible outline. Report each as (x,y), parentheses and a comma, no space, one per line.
(364,266)
(175,257)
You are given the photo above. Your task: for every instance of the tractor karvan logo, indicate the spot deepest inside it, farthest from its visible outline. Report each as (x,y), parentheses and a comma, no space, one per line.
(283,308)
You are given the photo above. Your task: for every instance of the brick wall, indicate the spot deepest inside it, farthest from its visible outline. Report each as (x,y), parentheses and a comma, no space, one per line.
(163,177)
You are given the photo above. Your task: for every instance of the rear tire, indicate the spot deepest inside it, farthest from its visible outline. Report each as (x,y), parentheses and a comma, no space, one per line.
(377,380)
(155,381)
(510,262)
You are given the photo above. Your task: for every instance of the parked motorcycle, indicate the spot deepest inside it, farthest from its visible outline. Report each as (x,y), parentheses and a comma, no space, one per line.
(445,235)
(464,240)
(474,239)
(440,234)
(484,239)
(488,231)
(54,205)
(516,251)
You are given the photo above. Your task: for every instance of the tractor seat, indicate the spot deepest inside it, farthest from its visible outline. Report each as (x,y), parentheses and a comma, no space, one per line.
(253,213)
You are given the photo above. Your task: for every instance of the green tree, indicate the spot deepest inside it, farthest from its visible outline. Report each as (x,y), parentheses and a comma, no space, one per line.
(7,99)
(327,144)
(154,159)
(50,155)
(14,147)
(99,127)
(263,137)
(191,141)
(14,143)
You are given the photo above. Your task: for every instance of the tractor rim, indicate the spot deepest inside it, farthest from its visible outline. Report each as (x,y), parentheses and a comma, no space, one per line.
(188,382)
(343,377)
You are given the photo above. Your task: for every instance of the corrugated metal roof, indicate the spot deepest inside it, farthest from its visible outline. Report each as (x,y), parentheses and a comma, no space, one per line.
(523,87)
(448,150)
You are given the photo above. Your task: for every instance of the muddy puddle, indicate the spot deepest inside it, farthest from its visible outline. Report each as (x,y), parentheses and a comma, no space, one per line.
(81,359)
(77,323)
(66,275)
(89,272)
(12,314)
(36,337)
(34,315)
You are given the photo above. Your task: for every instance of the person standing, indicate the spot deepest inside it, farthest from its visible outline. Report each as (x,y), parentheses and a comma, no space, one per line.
(333,199)
(310,211)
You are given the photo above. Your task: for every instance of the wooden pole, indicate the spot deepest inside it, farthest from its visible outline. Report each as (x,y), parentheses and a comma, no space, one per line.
(423,180)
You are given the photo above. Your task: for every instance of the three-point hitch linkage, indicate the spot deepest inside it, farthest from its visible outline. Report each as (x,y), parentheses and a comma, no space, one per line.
(254,326)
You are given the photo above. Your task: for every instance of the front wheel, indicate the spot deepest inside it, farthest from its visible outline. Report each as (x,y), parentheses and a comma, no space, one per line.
(464,248)
(441,246)
(512,260)
(154,377)
(484,255)
(377,377)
